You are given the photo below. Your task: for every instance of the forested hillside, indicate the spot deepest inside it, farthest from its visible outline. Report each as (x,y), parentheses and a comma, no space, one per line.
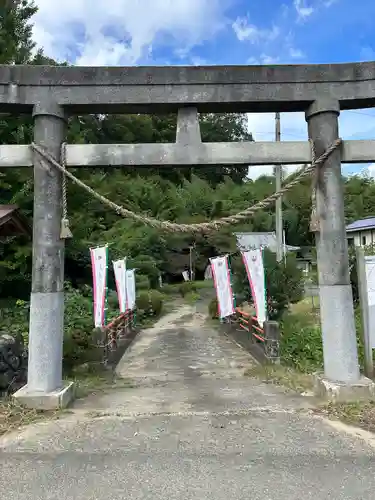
(182,195)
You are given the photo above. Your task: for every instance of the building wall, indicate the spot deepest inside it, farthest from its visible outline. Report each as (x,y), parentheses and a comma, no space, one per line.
(361,238)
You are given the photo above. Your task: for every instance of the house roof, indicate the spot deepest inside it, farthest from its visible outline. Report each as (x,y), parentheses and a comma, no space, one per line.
(12,222)
(360,225)
(6,212)
(249,241)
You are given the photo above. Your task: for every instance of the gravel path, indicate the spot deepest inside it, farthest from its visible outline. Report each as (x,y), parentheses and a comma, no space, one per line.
(191,427)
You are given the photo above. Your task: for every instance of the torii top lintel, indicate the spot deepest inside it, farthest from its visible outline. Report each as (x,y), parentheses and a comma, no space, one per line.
(157,89)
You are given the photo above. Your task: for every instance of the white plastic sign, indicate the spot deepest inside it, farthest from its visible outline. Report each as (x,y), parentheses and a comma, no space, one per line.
(370,281)
(185,275)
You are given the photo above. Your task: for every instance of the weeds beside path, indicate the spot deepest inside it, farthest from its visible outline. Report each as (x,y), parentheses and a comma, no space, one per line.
(14,416)
(282,376)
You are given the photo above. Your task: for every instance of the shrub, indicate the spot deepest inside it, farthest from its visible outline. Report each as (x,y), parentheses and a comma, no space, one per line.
(142,282)
(156,302)
(78,346)
(301,342)
(204,285)
(192,297)
(79,333)
(149,303)
(187,287)
(171,289)
(112,300)
(195,286)
(146,266)
(213,310)
(14,319)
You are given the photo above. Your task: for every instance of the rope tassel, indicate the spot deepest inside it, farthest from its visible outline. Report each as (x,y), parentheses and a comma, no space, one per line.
(314,219)
(65,232)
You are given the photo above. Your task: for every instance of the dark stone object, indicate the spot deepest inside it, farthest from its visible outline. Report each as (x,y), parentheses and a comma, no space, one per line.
(13,363)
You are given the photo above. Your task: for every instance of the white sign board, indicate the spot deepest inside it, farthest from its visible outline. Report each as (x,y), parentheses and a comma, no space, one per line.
(119,268)
(130,289)
(221,276)
(370,281)
(253,260)
(99,263)
(185,275)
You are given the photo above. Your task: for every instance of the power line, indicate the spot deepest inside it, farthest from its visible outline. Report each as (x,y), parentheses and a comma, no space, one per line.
(304,136)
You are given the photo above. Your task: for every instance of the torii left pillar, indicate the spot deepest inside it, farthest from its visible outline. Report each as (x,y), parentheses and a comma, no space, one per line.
(45,388)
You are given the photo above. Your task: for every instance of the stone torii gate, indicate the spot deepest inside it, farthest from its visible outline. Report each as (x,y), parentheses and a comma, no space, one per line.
(53,93)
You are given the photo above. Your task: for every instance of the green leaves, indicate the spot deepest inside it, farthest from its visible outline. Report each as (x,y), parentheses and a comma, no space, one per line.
(16,43)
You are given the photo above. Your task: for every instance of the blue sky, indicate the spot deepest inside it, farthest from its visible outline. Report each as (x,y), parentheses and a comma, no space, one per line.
(199,32)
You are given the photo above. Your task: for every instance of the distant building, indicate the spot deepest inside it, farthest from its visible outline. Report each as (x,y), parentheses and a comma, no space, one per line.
(251,241)
(361,232)
(12,222)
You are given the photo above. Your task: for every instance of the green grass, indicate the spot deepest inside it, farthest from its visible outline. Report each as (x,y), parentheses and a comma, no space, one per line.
(192,297)
(90,379)
(186,287)
(309,306)
(282,376)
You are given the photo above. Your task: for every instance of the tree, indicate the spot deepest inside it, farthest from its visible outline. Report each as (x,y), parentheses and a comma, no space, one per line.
(176,194)
(16,44)
(224,127)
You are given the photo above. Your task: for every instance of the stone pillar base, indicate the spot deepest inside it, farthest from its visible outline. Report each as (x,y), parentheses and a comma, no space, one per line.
(38,400)
(340,392)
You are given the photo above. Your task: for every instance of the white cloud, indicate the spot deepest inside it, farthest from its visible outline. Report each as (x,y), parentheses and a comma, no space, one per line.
(303,10)
(306,8)
(121,31)
(371,170)
(246,31)
(296,53)
(263,59)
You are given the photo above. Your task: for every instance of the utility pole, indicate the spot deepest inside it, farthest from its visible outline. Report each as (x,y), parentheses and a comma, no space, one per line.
(279,210)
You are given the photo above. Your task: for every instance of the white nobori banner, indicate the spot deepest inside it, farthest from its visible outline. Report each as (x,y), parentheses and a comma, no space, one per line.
(224,293)
(99,263)
(253,260)
(119,268)
(130,289)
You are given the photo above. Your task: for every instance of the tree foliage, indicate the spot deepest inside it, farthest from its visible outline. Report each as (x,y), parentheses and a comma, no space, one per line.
(177,194)
(16,43)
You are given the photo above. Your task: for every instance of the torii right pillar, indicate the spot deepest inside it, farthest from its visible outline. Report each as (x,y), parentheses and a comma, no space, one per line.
(342,380)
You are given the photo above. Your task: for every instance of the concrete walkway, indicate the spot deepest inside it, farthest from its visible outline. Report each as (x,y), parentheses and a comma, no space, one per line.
(193,427)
